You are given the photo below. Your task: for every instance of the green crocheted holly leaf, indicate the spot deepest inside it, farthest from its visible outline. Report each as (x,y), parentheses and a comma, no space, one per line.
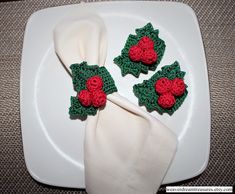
(77,110)
(80,73)
(147,95)
(135,68)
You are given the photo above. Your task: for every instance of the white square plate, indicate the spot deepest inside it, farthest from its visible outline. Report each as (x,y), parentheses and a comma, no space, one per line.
(53,143)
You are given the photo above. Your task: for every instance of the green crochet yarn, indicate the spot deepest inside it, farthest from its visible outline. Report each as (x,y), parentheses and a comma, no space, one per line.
(147,95)
(135,68)
(77,110)
(80,73)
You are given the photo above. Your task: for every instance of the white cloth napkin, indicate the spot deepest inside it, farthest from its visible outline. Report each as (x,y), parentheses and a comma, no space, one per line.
(127,151)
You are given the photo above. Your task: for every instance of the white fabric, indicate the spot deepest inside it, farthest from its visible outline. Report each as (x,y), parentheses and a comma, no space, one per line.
(127,151)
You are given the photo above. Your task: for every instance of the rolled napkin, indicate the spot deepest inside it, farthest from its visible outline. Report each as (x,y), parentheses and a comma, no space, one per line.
(127,151)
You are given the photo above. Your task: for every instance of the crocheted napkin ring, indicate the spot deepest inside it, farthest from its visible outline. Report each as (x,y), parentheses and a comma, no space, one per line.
(92,84)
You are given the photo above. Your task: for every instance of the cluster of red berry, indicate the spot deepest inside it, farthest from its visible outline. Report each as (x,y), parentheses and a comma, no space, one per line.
(94,95)
(168,90)
(143,51)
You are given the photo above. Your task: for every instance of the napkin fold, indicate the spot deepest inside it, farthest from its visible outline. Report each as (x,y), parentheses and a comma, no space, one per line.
(127,151)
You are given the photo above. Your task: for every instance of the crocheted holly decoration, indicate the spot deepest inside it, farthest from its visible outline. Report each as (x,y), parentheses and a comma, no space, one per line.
(158,93)
(132,60)
(92,83)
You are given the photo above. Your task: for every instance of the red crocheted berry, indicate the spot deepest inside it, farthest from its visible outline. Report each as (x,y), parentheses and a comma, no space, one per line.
(135,53)
(84,97)
(94,83)
(146,43)
(98,98)
(178,87)
(149,57)
(166,100)
(163,85)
